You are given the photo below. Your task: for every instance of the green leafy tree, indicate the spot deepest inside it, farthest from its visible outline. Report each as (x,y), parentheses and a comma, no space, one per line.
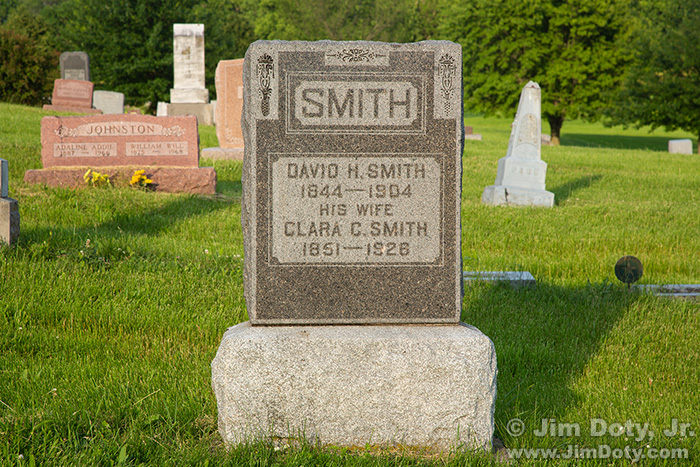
(662,87)
(571,48)
(29,61)
(378,20)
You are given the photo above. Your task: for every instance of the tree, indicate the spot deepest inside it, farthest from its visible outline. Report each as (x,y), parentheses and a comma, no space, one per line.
(571,48)
(662,87)
(29,62)
(130,42)
(374,20)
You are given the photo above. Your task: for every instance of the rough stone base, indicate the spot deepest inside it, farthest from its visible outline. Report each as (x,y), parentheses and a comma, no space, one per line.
(9,221)
(234,154)
(78,110)
(199,180)
(509,196)
(203,112)
(410,385)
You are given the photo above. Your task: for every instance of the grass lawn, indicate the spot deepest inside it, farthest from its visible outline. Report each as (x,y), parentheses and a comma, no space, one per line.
(113,303)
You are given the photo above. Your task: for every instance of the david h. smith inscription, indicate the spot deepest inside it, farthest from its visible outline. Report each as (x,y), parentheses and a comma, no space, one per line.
(352,182)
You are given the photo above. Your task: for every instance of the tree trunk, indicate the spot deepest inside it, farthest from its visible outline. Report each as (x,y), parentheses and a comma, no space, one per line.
(555,123)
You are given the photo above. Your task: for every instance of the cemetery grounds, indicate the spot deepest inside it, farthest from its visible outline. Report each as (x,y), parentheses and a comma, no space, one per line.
(114,301)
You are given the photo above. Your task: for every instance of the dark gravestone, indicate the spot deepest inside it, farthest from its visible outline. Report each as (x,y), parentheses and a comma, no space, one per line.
(352,182)
(75,65)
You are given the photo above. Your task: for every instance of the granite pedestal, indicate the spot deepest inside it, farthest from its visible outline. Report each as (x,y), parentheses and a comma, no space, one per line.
(427,386)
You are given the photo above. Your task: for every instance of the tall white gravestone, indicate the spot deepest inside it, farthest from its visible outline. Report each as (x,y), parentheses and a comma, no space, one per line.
(521,174)
(188,65)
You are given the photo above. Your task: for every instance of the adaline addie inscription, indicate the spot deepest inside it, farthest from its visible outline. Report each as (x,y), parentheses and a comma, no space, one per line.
(362,209)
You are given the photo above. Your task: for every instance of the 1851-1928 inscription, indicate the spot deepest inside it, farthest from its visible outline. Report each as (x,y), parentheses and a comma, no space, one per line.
(352,182)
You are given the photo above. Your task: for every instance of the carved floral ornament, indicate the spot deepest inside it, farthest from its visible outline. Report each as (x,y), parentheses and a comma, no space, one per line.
(266,71)
(64,132)
(447,70)
(355,55)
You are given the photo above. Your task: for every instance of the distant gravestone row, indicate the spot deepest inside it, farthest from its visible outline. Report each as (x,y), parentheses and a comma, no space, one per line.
(351,216)
(167,147)
(74,92)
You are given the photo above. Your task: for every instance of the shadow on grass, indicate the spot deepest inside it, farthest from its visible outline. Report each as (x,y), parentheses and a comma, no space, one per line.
(147,222)
(564,192)
(651,143)
(544,338)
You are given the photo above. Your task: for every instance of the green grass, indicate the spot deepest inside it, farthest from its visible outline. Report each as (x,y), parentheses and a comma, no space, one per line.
(113,303)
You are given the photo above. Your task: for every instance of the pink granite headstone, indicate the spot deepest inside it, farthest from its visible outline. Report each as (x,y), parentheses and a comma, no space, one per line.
(119,140)
(72,93)
(229,103)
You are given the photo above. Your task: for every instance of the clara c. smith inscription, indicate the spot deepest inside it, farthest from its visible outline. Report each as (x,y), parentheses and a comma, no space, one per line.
(352,182)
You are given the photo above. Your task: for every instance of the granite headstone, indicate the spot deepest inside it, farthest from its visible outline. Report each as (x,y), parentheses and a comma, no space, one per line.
(351,216)
(168,147)
(71,95)
(520,179)
(352,182)
(109,102)
(75,65)
(680,146)
(229,93)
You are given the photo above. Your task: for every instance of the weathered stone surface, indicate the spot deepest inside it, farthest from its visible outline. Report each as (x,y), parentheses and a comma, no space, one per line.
(9,221)
(109,102)
(197,180)
(514,278)
(75,65)
(72,93)
(229,94)
(188,64)
(113,140)
(680,146)
(4,179)
(203,112)
(429,386)
(222,154)
(520,179)
(352,182)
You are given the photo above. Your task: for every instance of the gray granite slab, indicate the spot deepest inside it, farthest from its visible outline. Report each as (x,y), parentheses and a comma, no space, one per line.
(75,65)
(428,386)
(352,182)
(109,102)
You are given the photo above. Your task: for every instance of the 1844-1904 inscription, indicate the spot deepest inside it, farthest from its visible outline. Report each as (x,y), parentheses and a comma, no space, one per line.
(352,182)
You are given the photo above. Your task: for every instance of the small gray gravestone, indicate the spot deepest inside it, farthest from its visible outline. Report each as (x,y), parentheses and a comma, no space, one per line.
(75,65)
(680,146)
(9,209)
(109,102)
(521,174)
(351,216)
